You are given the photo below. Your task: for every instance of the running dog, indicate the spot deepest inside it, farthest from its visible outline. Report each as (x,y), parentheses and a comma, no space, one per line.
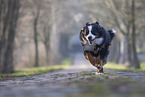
(95,41)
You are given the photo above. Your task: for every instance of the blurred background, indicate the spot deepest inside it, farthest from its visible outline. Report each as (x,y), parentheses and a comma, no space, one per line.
(44,32)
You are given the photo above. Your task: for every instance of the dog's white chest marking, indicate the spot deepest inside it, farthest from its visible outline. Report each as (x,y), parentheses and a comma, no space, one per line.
(89,47)
(97,41)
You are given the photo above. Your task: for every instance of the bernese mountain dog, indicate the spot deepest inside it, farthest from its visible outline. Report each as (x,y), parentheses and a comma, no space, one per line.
(95,41)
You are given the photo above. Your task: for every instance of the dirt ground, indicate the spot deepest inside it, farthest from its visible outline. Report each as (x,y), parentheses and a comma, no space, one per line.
(79,80)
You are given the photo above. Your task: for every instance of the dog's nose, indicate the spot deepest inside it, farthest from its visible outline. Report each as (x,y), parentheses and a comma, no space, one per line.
(90,37)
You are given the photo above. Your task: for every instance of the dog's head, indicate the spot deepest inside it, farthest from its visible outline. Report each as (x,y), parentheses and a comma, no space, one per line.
(92,31)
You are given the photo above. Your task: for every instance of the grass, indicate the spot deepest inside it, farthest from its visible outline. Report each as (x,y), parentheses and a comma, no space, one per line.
(36,70)
(115,66)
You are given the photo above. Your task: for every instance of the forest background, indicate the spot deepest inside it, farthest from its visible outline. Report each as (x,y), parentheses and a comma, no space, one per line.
(44,32)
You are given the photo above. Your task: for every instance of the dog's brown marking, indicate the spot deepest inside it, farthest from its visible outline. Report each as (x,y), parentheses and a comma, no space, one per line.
(91,59)
(95,61)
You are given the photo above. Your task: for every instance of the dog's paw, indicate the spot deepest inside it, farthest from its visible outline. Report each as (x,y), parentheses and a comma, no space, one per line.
(99,73)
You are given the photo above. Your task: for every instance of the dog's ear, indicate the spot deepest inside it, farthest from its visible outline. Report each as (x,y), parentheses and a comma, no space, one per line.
(87,23)
(97,23)
(83,30)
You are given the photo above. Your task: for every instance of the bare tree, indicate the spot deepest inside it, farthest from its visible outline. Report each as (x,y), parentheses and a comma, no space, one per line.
(46,28)
(136,61)
(124,18)
(8,20)
(36,18)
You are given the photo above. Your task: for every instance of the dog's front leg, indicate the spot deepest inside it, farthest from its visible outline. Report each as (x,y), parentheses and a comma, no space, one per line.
(90,58)
(100,68)
(86,54)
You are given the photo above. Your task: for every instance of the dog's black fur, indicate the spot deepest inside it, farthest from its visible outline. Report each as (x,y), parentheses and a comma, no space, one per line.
(99,46)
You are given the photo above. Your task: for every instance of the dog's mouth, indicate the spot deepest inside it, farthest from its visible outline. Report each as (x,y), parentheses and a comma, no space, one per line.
(91,41)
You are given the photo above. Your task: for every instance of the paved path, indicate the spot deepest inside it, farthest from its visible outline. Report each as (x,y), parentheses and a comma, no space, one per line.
(79,64)
(59,84)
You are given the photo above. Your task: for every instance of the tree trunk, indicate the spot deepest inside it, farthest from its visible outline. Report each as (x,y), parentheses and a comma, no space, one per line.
(135,58)
(129,51)
(47,48)
(46,41)
(36,45)
(5,14)
(122,51)
(13,7)
(54,42)
(36,36)
(117,57)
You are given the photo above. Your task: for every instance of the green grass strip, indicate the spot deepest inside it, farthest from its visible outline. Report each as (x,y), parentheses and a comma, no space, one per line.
(36,70)
(114,66)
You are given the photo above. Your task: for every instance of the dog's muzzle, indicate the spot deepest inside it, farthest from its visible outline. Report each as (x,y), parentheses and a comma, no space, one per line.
(90,40)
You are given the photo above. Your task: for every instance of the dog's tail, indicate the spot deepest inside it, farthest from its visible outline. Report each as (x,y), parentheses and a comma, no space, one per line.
(112,33)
